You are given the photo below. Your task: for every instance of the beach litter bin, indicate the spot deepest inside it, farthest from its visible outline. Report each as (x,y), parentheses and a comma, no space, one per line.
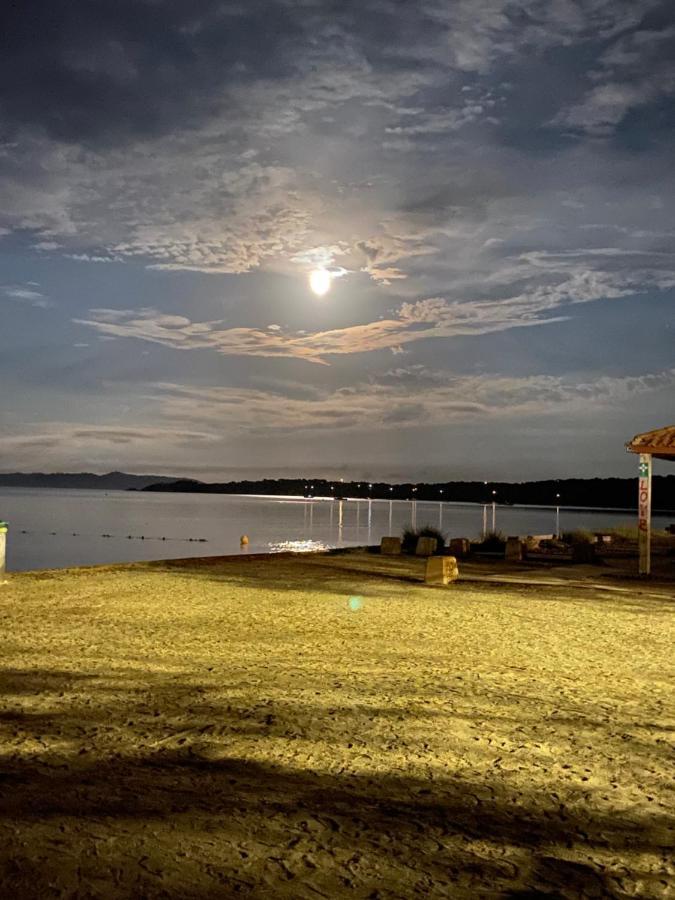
(514,548)
(390,546)
(441,570)
(426,546)
(459,546)
(4,528)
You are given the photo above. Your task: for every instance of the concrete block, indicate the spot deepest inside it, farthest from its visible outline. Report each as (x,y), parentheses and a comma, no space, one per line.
(390,546)
(426,546)
(514,548)
(460,546)
(441,570)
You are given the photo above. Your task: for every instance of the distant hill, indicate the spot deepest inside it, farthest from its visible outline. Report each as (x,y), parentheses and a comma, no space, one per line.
(112,481)
(605,493)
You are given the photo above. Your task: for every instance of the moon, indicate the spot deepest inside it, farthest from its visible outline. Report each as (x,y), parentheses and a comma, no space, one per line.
(319,281)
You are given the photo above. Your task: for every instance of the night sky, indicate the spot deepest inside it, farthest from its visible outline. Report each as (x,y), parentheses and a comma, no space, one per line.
(489,184)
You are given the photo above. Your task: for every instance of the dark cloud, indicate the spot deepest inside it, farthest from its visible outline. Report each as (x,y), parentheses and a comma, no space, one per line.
(119,68)
(112,69)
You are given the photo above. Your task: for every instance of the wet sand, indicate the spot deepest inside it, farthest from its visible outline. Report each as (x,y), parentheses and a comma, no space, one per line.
(327,726)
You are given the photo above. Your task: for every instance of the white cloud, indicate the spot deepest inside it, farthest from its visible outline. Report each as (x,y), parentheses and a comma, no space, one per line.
(27,294)
(635,70)
(93,258)
(562,281)
(55,445)
(418,396)
(606,105)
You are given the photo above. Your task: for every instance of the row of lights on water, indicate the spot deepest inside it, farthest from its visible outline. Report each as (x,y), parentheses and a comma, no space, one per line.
(356,504)
(310,501)
(309,488)
(413,509)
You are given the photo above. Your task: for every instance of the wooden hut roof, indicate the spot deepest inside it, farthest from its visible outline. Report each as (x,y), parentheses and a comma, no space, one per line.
(660,443)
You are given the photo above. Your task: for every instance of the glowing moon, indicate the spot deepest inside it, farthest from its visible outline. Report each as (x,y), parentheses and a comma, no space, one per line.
(319,281)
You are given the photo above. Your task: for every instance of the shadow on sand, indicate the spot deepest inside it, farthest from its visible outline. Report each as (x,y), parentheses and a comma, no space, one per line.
(117,802)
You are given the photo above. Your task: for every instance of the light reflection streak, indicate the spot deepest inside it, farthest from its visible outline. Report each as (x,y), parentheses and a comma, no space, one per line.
(306,546)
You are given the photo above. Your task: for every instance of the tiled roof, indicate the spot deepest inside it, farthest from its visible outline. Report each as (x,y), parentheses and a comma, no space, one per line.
(660,442)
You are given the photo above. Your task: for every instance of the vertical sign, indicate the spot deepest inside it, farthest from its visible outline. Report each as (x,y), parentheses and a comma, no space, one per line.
(644,511)
(3,540)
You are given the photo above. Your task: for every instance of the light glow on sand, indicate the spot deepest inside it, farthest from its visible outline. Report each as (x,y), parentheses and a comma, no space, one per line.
(488,719)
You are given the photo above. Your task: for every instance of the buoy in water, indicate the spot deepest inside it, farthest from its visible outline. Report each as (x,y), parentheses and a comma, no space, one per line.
(243,540)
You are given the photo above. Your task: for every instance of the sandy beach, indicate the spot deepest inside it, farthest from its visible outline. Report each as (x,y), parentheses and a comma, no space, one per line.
(328,726)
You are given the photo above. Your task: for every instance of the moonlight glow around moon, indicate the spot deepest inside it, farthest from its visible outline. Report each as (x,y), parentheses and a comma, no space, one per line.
(319,281)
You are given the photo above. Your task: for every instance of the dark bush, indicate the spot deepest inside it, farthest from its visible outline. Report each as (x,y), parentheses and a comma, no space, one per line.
(409,540)
(494,541)
(578,536)
(410,535)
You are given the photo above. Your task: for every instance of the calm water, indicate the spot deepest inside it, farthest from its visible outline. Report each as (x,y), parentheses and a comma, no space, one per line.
(58,528)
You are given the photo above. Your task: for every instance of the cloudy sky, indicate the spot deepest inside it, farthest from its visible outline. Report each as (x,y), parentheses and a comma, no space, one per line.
(489,184)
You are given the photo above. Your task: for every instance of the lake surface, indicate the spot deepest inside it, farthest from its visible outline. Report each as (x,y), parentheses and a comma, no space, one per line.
(55,528)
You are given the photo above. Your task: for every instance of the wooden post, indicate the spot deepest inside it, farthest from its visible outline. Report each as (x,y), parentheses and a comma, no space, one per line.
(644,512)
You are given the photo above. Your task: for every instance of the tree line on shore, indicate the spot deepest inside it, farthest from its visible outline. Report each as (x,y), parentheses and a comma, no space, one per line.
(609,493)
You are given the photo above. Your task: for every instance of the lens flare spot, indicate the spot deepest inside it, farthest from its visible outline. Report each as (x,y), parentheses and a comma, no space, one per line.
(355,603)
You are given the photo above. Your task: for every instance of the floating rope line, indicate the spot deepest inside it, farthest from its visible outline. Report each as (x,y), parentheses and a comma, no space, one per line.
(129,537)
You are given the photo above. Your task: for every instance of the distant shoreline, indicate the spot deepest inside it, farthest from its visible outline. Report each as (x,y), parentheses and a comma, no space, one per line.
(618,494)
(570,493)
(298,498)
